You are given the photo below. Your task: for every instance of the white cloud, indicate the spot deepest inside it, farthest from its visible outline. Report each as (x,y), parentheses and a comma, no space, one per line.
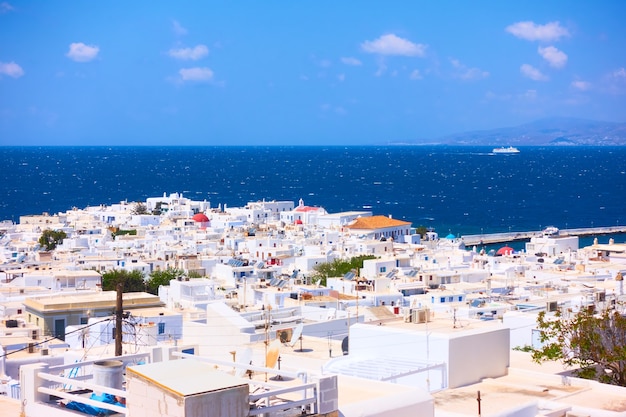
(581,85)
(350,61)
(196,74)
(391,44)
(531,31)
(533,73)
(620,73)
(415,75)
(474,74)
(195,53)
(555,57)
(324,63)
(529,95)
(490,95)
(80,52)
(467,73)
(178,29)
(11,69)
(5,7)
(382,68)
(615,82)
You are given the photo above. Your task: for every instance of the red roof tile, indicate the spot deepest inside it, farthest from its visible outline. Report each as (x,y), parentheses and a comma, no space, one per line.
(376,222)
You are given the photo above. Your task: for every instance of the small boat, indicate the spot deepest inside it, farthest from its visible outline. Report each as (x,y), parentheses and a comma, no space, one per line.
(551,231)
(504,149)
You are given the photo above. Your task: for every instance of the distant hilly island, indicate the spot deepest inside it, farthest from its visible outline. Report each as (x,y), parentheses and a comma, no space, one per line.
(545,132)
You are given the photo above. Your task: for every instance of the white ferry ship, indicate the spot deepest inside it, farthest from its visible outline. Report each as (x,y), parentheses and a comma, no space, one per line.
(503,149)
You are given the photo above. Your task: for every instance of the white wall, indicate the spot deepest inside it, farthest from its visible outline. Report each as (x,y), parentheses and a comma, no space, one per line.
(368,340)
(306,263)
(470,355)
(477,355)
(371,267)
(521,327)
(223,331)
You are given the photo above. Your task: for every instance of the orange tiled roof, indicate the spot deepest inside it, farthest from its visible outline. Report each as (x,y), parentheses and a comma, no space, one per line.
(376,222)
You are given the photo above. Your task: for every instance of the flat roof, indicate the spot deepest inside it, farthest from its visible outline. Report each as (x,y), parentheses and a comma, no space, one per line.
(92,300)
(186,377)
(528,382)
(356,390)
(10,406)
(154,311)
(13,290)
(56,272)
(441,323)
(609,247)
(16,346)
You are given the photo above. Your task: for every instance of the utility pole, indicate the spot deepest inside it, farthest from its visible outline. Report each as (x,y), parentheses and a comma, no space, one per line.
(118,320)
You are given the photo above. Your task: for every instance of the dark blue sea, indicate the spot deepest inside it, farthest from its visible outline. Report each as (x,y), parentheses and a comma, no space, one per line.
(458,190)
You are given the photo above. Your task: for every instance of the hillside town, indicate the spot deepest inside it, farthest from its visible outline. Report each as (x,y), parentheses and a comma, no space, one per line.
(248,326)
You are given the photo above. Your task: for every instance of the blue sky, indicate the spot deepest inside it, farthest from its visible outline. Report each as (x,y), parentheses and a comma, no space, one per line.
(283,73)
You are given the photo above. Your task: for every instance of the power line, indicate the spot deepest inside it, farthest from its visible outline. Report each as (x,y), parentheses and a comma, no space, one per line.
(54,338)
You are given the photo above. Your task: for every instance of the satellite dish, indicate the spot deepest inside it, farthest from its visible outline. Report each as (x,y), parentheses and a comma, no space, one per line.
(297,334)
(272,354)
(344,345)
(243,357)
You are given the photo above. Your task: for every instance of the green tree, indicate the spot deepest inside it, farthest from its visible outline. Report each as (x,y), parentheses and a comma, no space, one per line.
(132,281)
(162,277)
(194,274)
(120,232)
(421,230)
(593,343)
(49,239)
(338,268)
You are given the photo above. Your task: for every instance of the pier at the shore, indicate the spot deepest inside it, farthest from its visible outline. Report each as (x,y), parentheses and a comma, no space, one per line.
(489,238)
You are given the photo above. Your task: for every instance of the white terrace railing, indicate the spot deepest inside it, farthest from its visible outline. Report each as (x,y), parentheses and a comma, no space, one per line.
(47,380)
(272,397)
(266,406)
(43,385)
